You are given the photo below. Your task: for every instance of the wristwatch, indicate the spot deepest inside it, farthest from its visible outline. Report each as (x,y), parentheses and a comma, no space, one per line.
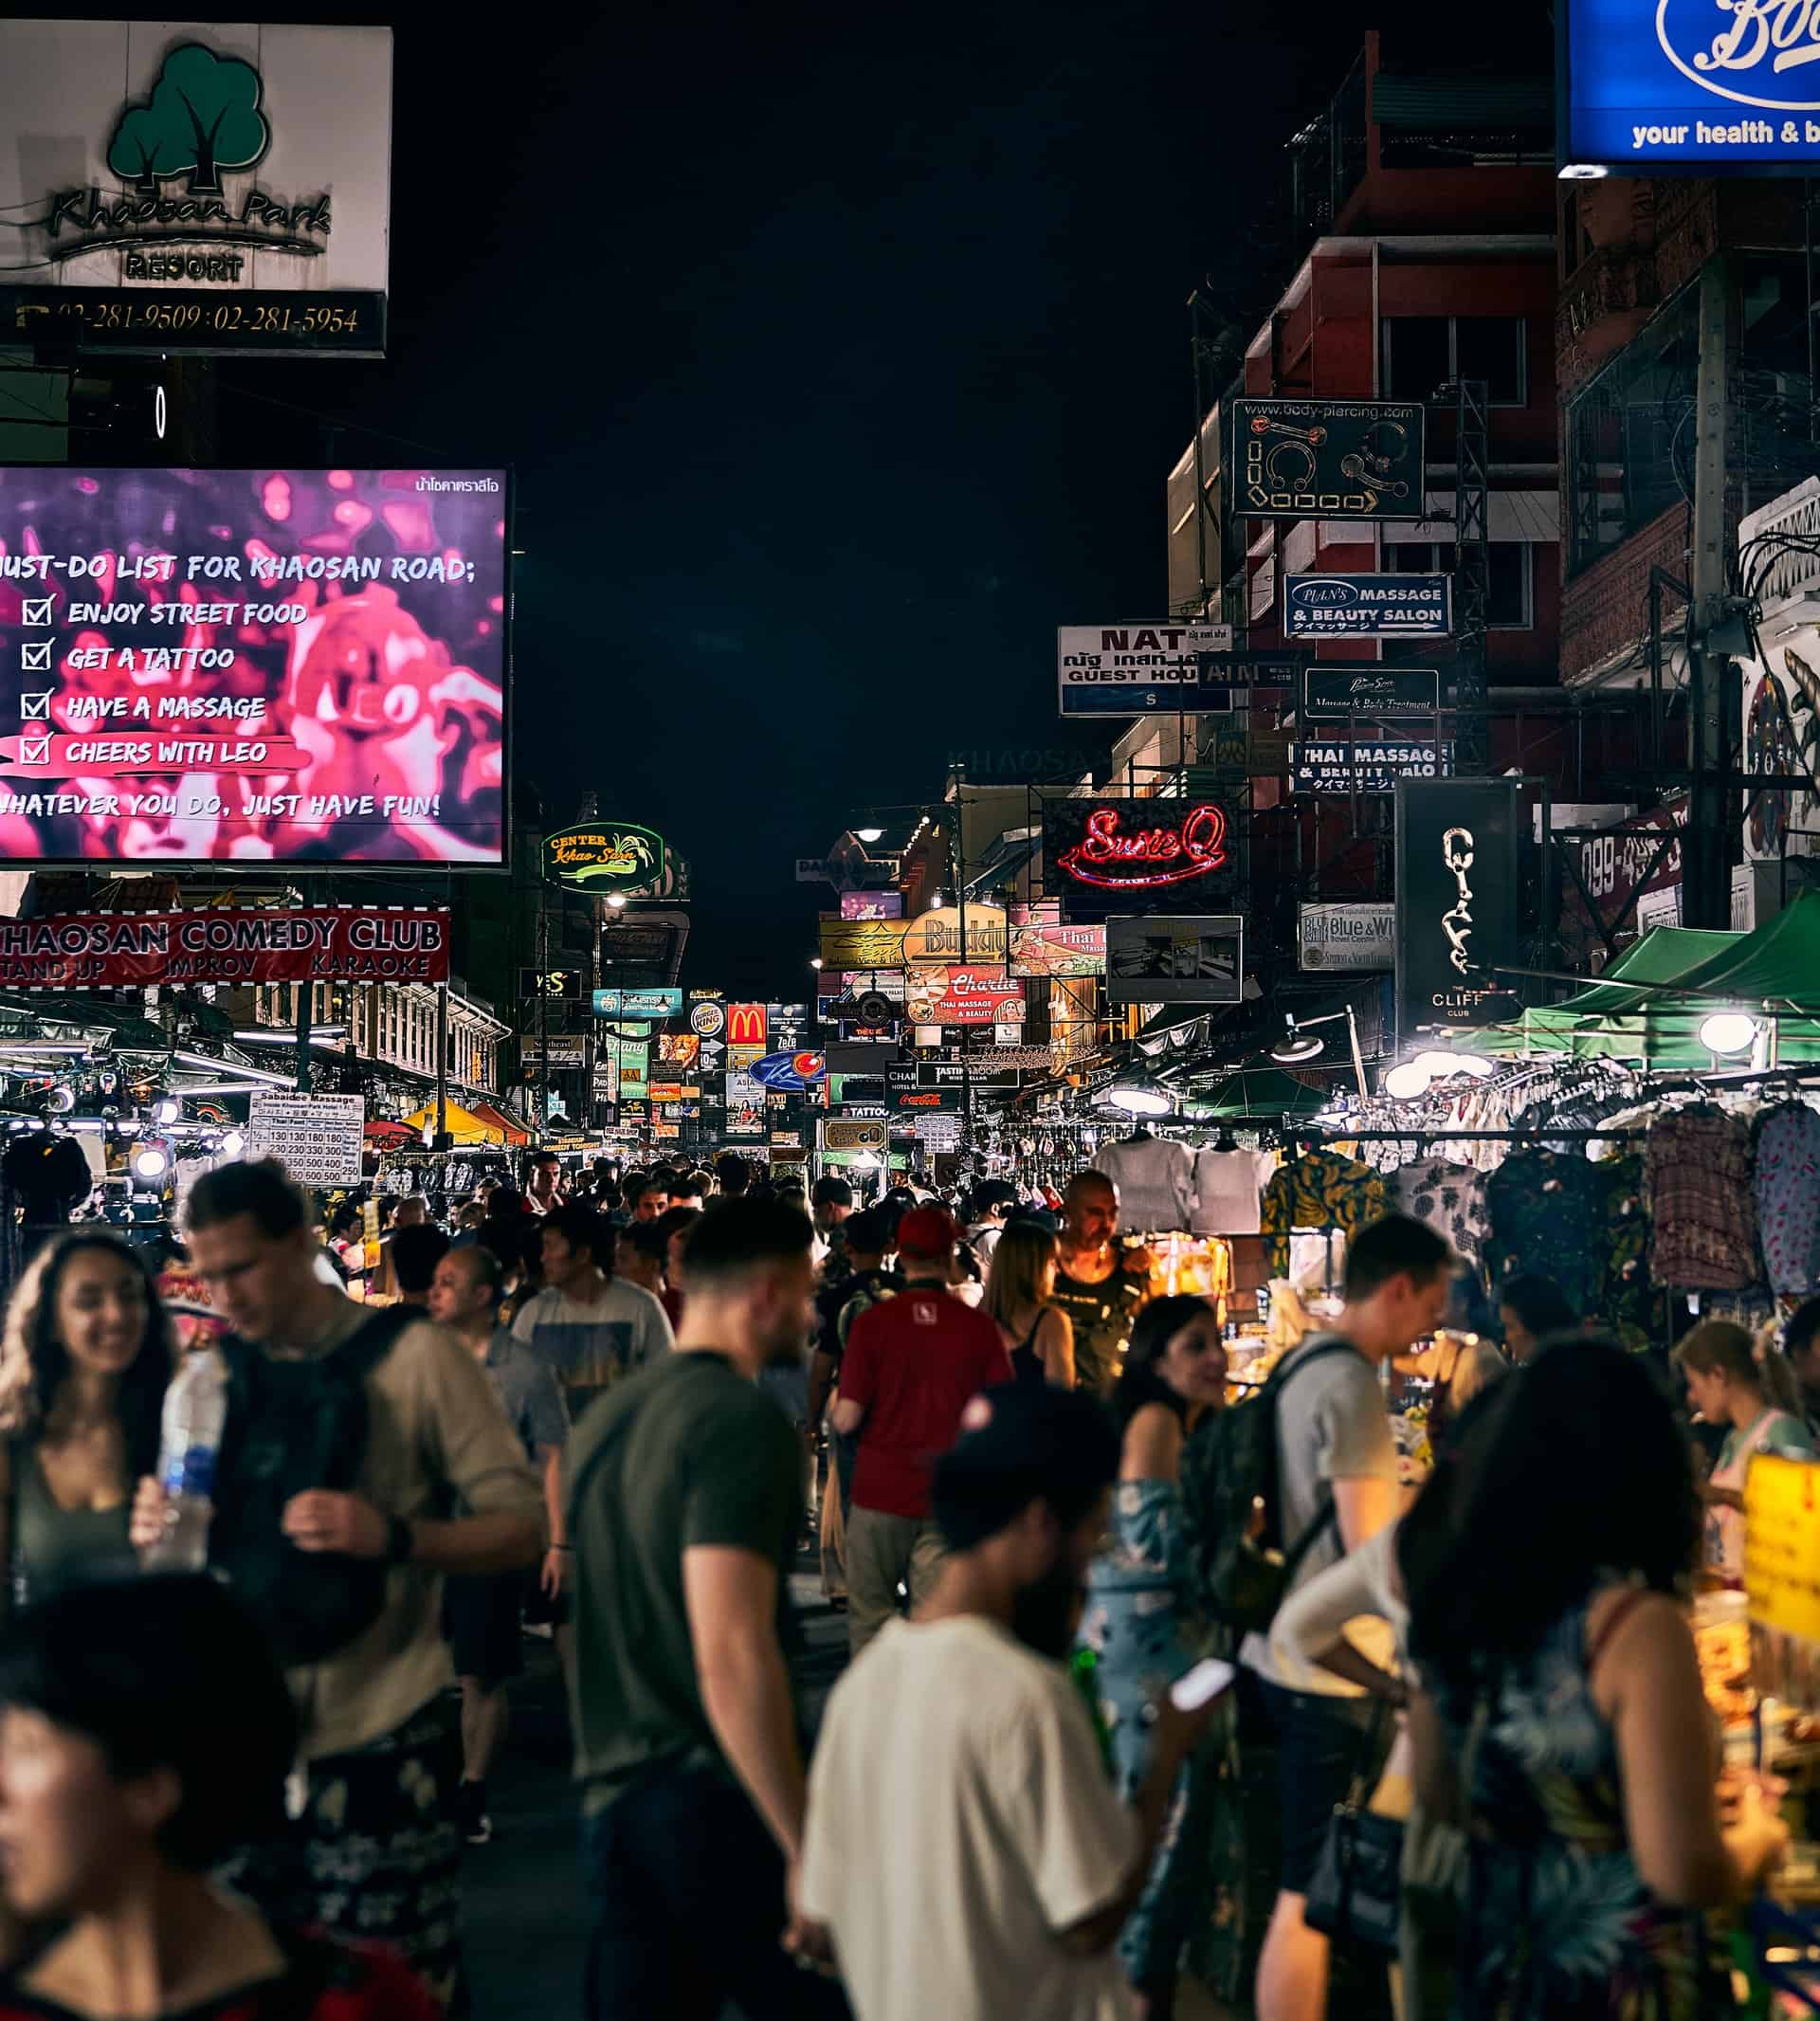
(401,1542)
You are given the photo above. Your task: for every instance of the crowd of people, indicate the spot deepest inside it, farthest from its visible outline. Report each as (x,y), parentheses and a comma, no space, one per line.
(627,1406)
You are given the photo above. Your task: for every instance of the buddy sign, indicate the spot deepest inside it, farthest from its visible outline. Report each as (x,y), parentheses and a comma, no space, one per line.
(1689,87)
(195,186)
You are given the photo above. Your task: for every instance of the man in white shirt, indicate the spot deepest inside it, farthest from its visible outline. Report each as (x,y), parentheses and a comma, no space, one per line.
(966,1850)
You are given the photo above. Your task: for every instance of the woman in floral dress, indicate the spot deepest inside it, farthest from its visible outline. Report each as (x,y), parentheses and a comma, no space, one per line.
(1561,1691)
(1138,1625)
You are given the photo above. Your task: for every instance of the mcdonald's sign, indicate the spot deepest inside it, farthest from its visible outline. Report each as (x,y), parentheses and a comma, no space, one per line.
(745,1023)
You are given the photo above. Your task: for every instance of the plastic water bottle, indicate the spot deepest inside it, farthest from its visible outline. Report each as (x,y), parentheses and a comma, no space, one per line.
(195,1408)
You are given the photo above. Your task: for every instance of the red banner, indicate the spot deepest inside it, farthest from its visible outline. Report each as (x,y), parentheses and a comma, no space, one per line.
(318,944)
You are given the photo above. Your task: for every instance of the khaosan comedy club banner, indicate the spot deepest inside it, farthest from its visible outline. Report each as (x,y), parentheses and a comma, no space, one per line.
(318,944)
(204,665)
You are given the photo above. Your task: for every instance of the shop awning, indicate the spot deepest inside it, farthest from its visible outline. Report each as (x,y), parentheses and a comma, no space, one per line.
(516,1133)
(1651,1002)
(1259,1089)
(462,1124)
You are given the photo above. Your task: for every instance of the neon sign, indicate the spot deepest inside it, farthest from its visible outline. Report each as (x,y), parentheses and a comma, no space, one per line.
(1143,859)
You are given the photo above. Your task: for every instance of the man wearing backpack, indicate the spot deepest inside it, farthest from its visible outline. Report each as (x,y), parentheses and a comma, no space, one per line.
(349,1431)
(1335,1487)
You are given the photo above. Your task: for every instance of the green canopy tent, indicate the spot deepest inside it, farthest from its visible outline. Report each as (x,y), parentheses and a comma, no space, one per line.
(1651,1002)
(1257,1091)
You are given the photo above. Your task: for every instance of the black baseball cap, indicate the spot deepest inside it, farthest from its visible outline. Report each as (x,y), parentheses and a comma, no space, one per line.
(1022,1443)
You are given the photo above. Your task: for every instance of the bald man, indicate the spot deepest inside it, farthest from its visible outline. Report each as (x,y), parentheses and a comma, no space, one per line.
(1099,1285)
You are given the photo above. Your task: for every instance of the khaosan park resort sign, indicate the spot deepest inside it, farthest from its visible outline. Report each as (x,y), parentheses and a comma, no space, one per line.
(194,187)
(607,857)
(1690,87)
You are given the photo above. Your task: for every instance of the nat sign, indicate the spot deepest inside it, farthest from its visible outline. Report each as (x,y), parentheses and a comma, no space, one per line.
(235,666)
(1106,856)
(123,950)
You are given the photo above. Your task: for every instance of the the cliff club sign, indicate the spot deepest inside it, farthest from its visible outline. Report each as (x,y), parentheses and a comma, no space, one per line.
(1694,87)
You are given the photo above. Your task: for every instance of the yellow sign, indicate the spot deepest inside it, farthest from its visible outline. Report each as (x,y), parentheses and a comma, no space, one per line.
(934,938)
(1782,1544)
(852,944)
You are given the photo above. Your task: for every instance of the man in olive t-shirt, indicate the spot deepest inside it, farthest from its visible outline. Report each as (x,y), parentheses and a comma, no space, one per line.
(685,1506)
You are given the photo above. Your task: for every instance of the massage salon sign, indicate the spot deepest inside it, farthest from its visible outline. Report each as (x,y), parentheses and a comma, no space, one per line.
(1693,87)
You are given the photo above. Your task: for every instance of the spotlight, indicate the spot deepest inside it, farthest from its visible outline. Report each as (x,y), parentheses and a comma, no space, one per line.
(232,1144)
(166,1110)
(1728,1031)
(1407,1081)
(1140,1100)
(868,834)
(149,1162)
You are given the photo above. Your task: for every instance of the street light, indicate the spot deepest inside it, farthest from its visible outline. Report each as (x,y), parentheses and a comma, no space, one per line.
(616,901)
(815,961)
(1140,1100)
(1728,1031)
(1406,1081)
(868,834)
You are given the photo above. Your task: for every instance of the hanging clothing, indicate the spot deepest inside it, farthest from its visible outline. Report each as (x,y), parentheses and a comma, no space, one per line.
(1229,1192)
(1702,1207)
(1449,1198)
(1156,1180)
(1545,1208)
(1318,1190)
(1788,1198)
(1627,1305)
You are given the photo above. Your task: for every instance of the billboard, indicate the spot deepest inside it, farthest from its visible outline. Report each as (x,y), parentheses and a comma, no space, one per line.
(1104,856)
(1687,87)
(1365,766)
(1329,459)
(1782,736)
(660,1002)
(848,944)
(1361,693)
(187,187)
(318,944)
(746,1025)
(1190,960)
(252,665)
(1368,607)
(318,1139)
(1457,878)
(1058,949)
(873,904)
(605,856)
(1132,669)
(634,1069)
(936,936)
(963,996)
(1353,937)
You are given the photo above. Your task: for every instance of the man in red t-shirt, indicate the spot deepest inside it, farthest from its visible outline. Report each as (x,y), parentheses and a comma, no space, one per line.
(913,1364)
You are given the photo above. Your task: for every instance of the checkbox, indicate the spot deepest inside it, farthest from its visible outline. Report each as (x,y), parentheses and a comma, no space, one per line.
(35,709)
(38,610)
(34,751)
(35,658)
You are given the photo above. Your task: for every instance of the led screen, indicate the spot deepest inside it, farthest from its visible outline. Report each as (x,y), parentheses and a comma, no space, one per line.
(213,666)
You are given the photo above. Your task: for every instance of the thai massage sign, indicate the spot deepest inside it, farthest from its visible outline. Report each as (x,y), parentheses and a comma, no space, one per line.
(1694,87)
(963,996)
(605,856)
(1110,856)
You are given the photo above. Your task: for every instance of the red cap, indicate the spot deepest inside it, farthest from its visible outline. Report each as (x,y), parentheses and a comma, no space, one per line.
(927,1232)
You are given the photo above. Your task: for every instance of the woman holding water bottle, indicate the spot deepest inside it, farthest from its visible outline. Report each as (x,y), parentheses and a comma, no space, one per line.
(83,1368)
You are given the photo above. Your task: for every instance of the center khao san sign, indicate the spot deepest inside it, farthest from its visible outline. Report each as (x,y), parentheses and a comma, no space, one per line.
(605,856)
(1113,855)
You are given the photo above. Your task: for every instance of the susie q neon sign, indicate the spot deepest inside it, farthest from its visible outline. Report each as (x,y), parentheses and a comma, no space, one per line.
(1142,859)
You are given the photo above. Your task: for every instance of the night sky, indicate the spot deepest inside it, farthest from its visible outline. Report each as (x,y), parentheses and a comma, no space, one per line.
(841,354)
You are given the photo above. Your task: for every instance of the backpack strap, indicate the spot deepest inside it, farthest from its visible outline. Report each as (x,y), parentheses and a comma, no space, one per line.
(1328,1514)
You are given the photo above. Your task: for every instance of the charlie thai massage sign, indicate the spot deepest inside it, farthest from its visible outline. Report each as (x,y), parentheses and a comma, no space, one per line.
(1107,857)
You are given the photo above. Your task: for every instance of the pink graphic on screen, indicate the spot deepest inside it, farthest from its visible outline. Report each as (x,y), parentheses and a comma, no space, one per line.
(253,664)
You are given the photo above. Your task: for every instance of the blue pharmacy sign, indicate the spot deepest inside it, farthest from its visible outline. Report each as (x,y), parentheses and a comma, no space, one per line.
(1689,87)
(638,1003)
(1367,607)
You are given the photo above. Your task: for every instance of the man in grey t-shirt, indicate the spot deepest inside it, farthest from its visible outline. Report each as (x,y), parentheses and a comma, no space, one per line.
(1336,1468)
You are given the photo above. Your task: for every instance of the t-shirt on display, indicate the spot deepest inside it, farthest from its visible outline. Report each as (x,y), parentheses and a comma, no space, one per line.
(1229,1192)
(959,1819)
(1155,1181)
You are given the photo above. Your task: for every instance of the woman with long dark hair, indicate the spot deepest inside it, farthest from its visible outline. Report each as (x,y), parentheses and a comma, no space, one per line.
(1138,1622)
(1562,1716)
(145,1735)
(82,1375)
